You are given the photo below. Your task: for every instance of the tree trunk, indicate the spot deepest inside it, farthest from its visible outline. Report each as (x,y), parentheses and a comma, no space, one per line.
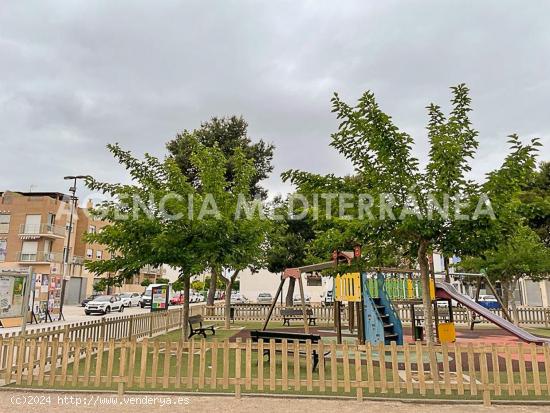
(505,288)
(186,288)
(426,298)
(228,286)
(515,312)
(212,289)
(289,300)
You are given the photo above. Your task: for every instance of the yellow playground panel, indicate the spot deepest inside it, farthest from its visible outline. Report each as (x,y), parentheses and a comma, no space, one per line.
(348,287)
(447,332)
(414,289)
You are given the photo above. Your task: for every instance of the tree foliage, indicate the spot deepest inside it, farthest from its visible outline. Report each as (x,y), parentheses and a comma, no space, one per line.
(151,221)
(535,203)
(521,255)
(386,169)
(288,243)
(229,134)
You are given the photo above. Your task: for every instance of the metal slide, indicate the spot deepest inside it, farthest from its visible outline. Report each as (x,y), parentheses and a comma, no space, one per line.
(447,291)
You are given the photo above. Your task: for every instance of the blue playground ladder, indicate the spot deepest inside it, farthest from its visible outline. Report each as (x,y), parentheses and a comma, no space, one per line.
(382,324)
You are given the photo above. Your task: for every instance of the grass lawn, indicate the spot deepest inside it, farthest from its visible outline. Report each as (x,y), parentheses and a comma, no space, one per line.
(163,365)
(539,331)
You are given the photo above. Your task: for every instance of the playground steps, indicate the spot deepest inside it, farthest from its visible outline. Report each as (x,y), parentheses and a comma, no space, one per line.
(381,321)
(389,328)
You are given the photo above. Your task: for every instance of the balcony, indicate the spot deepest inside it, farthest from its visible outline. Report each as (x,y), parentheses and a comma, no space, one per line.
(39,257)
(33,231)
(78,260)
(150,270)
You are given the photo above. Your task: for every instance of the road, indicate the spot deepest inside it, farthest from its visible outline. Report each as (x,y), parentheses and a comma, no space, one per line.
(46,402)
(75,314)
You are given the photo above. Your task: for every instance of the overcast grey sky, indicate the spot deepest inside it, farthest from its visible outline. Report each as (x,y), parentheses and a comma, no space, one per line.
(76,75)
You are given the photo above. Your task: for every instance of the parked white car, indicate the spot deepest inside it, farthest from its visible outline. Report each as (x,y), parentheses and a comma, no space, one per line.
(236,298)
(104,304)
(130,299)
(198,298)
(297,299)
(264,298)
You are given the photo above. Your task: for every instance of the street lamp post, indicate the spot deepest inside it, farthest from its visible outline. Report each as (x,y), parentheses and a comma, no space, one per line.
(66,275)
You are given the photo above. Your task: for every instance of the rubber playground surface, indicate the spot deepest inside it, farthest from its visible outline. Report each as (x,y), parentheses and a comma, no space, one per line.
(480,334)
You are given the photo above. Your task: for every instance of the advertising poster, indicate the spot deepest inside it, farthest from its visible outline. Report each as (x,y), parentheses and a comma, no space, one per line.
(160,298)
(36,293)
(11,295)
(54,294)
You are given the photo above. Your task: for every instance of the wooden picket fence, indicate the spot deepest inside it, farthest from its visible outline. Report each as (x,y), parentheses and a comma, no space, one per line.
(539,316)
(116,328)
(483,372)
(259,312)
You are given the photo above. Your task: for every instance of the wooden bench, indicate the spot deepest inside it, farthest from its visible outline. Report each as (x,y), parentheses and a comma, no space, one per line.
(197,319)
(289,314)
(279,336)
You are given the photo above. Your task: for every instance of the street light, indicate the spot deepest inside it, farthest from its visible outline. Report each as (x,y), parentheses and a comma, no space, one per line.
(67,276)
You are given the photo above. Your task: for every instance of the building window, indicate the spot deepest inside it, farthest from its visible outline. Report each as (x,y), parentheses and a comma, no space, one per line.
(99,255)
(91,229)
(314,280)
(32,224)
(89,253)
(4,223)
(3,248)
(29,250)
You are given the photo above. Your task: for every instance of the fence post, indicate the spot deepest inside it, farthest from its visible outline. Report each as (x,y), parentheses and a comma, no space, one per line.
(166,319)
(151,324)
(238,369)
(102,331)
(131,327)
(120,388)
(66,332)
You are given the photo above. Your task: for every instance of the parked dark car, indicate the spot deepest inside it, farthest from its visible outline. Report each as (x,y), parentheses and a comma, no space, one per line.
(90,298)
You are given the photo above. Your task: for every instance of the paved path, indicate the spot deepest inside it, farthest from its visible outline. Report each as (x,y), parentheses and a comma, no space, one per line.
(38,402)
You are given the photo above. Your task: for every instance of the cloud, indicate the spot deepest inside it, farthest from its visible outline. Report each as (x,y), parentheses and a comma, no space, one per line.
(78,75)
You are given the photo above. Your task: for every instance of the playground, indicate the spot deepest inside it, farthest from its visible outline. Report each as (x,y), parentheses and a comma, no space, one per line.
(372,297)
(358,348)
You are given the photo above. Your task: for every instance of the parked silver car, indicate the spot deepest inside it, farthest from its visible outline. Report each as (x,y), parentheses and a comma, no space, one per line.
(264,298)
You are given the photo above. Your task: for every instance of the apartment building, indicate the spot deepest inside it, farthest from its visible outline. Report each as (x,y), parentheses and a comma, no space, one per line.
(34,232)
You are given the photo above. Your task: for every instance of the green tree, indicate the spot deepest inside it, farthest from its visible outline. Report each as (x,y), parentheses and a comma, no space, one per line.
(146,283)
(235,235)
(178,285)
(535,203)
(198,285)
(143,229)
(100,286)
(229,134)
(288,242)
(386,170)
(521,255)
